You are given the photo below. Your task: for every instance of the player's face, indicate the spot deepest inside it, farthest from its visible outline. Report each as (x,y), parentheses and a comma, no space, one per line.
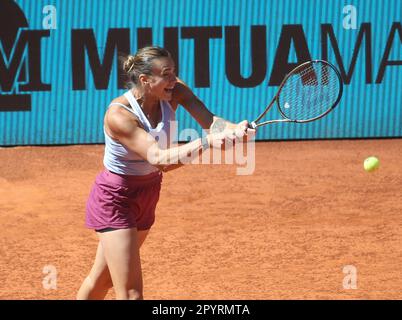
(163,78)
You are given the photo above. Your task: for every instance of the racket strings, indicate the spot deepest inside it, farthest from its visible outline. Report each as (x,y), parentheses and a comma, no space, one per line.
(310,92)
(310,104)
(295,78)
(303,108)
(311,71)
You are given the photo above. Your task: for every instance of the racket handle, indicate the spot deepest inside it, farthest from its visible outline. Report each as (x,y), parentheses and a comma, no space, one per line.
(252,125)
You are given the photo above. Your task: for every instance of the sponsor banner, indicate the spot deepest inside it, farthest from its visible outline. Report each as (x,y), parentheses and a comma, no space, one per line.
(59,61)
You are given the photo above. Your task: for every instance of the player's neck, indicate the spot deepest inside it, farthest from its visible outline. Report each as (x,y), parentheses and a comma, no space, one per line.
(148,104)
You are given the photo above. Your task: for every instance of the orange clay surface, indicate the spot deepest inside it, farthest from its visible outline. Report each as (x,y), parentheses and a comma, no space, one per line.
(285,232)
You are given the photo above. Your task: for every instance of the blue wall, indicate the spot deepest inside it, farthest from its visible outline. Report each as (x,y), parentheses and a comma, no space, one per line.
(62,114)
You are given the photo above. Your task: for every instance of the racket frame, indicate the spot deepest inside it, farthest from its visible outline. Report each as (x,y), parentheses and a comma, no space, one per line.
(254,124)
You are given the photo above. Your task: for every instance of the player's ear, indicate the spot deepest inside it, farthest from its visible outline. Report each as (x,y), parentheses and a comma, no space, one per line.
(143,79)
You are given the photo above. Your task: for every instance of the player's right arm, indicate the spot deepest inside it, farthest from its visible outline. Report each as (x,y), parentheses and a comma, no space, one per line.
(128,132)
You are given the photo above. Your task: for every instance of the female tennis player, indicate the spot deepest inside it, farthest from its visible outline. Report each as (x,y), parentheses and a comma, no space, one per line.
(121,205)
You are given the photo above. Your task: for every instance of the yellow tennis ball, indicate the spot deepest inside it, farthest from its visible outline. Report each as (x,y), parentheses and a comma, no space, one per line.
(371,164)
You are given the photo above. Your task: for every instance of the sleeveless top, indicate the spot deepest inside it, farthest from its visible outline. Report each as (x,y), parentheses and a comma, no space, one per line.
(121,160)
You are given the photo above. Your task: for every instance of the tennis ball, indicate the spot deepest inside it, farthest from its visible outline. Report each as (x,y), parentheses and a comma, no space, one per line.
(371,164)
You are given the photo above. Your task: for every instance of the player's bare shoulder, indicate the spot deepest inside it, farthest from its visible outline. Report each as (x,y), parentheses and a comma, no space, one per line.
(115,106)
(118,120)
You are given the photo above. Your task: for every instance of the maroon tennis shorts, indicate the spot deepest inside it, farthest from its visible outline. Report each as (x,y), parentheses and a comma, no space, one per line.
(122,201)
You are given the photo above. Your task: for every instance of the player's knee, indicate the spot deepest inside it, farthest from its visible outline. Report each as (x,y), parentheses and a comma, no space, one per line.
(135,295)
(130,294)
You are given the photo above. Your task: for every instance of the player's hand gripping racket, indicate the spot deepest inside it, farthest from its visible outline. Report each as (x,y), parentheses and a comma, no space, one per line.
(308,93)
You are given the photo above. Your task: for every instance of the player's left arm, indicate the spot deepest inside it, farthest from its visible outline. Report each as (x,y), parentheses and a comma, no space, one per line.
(184,96)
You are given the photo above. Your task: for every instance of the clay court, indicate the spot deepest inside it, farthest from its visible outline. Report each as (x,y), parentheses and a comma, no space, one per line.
(285,232)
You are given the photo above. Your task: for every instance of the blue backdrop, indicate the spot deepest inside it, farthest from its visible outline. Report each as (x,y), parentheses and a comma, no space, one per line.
(229,52)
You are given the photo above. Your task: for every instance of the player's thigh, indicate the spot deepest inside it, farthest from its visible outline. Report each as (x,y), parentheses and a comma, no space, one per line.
(121,251)
(99,273)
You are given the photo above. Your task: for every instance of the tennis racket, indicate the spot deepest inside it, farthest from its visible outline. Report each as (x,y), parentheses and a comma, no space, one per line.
(309,92)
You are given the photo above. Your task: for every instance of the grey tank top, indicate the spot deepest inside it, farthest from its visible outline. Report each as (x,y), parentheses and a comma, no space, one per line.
(121,160)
